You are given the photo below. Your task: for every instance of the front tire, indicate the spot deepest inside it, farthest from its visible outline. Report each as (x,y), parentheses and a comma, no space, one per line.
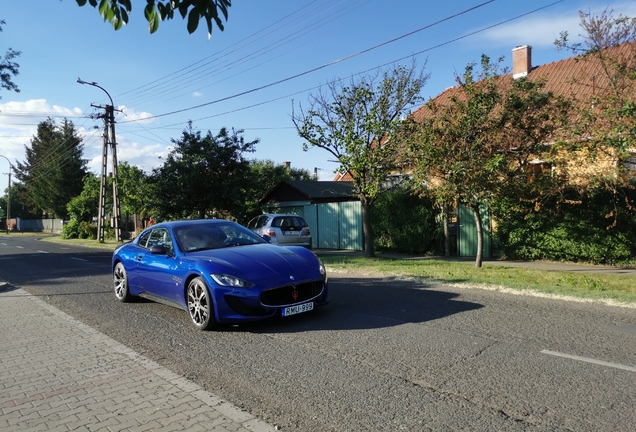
(200,305)
(120,281)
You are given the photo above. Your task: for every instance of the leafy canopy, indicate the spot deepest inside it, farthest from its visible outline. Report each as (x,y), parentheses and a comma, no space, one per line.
(477,144)
(359,123)
(117,12)
(54,170)
(204,175)
(8,68)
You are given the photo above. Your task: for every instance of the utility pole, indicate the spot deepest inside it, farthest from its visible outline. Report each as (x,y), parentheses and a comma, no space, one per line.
(8,194)
(109,141)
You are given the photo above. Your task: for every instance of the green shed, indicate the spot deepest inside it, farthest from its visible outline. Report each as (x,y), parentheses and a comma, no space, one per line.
(330,208)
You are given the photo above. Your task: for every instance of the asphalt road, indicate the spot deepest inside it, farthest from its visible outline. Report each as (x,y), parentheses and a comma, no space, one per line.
(384,355)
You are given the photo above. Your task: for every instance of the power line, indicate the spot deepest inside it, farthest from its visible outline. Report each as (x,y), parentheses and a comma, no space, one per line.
(185,81)
(212,57)
(326,64)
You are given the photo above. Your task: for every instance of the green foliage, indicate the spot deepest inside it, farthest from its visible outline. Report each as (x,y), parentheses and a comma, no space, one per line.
(83,207)
(405,223)
(75,229)
(359,124)
(134,189)
(587,230)
(203,176)
(476,145)
(8,68)
(117,12)
(54,169)
(21,204)
(607,125)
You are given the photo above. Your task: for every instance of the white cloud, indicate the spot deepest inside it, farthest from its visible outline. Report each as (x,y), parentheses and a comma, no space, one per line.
(197,94)
(129,114)
(19,121)
(540,31)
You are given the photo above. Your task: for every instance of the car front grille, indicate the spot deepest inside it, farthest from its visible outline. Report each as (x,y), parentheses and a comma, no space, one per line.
(291,294)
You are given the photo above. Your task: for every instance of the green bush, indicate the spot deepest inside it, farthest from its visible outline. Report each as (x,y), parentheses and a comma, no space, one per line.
(576,232)
(405,223)
(79,230)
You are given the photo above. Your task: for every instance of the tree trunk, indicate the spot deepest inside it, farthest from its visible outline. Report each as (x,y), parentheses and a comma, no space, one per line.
(480,235)
(446,239)
(369,251)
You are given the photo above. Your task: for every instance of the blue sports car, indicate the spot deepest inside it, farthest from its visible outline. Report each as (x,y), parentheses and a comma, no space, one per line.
(218,271)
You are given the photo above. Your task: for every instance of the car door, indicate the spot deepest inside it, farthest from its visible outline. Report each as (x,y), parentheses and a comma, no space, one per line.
(155,271)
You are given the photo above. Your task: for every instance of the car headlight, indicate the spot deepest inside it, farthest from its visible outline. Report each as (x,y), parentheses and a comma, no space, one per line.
(231,281)
(323,271)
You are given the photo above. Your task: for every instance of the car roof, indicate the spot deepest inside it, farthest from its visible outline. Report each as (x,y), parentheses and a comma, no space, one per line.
(281,214)
(191,222)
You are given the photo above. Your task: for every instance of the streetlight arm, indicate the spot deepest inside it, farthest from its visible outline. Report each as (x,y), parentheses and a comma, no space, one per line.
(94,84)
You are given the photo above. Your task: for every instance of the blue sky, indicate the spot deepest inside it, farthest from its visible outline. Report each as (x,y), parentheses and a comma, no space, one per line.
(163,80)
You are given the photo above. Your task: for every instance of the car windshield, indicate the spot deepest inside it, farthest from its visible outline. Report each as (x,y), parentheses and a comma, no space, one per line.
(214,235)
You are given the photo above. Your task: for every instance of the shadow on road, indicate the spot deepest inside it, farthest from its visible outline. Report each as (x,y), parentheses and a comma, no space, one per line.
(367,303)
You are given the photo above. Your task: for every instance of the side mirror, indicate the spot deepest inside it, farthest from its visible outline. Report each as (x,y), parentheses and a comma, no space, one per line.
(267,238)
(158,250)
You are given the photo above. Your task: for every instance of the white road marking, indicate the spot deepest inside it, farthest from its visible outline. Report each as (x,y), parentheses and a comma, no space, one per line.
(589,360)
(78,259)
(41,251)
(19,247)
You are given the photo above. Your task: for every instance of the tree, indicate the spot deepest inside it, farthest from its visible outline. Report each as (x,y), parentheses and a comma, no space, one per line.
(8,68)
(83,208)
(117,11)
(478,144)
(21,204)
(203,175)
(358,124)
(134,190)
(607,126)
(54,170)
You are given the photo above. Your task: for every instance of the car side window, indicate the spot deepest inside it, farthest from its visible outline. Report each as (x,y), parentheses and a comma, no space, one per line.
(160,236)
(143,239)
(253,223)
(262,220)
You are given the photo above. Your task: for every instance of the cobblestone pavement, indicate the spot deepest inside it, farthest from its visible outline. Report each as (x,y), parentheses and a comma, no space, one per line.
(57,374)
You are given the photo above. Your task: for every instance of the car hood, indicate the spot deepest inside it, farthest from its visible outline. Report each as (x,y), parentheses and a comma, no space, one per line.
(263,261)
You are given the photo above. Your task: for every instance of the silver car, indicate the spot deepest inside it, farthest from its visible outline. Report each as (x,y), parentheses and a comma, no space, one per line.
(282,229)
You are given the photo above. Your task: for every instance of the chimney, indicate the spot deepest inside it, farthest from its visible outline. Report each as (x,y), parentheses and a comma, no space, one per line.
(521,61)
(286,164)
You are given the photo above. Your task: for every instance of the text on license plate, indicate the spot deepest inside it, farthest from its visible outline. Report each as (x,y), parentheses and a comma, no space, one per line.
(293,310)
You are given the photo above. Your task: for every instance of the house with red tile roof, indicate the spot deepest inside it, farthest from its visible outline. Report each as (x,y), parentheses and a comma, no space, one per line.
(582,79)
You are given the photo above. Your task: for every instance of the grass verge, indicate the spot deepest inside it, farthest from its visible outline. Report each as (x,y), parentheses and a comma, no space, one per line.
(589,286)
(55,238)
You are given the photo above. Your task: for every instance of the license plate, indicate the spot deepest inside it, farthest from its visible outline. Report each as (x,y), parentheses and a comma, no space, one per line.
(288,233)
(293,310)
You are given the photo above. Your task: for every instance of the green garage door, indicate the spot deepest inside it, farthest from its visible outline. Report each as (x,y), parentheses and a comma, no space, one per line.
(339,226)
(467,234)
